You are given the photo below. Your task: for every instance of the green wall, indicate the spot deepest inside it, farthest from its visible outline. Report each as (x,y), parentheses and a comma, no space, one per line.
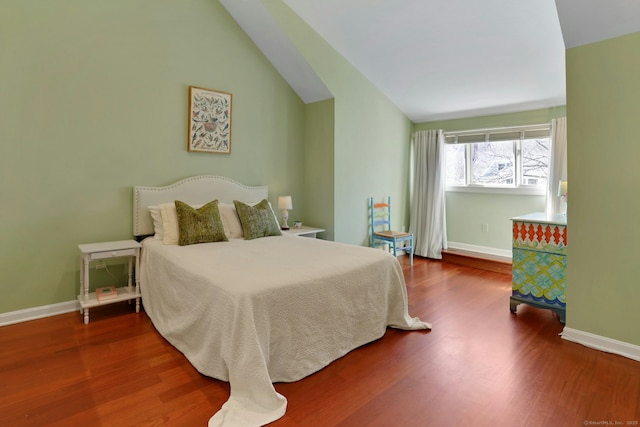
(603,272)
(371,139)
(522,118)
(466,211)
(94,99)
(318,164)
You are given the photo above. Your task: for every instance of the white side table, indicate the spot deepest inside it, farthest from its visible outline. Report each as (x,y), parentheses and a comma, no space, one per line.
(304,231)
(99,251)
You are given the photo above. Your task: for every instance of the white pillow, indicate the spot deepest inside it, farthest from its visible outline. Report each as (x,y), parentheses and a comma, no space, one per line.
(274,215)
(230,221)
(170,229)
(156,216)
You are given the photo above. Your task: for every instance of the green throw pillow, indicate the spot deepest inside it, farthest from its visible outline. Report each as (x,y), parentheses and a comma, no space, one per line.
(201,225)
(258,220)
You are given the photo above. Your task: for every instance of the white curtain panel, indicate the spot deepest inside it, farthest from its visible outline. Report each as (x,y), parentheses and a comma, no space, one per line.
(428,221)
(557,164)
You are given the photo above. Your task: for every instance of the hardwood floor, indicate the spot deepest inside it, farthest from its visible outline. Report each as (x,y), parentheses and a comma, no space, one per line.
(495,263)
(479,366)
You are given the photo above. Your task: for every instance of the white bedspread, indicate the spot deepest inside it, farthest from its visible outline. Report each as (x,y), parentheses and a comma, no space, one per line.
(269,310)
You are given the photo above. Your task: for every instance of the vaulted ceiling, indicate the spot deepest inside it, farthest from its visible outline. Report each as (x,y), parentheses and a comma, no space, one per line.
(443,59)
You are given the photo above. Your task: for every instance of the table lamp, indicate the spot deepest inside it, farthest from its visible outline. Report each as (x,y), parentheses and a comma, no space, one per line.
(285,203)
(563,193)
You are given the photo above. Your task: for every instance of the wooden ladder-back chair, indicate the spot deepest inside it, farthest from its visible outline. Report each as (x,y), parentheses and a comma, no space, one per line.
(381,233)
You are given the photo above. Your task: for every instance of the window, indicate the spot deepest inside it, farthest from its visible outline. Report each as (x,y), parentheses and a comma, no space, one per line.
(514,159)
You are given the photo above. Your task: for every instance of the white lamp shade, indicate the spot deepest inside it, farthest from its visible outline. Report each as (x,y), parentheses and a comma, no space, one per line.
(285,203)
(562,188)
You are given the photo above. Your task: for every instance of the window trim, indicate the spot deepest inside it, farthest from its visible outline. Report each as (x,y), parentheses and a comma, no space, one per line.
(495,135)
(523,191)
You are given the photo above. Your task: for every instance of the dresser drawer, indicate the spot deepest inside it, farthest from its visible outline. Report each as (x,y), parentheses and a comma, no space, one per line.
(113,254)
(539,263)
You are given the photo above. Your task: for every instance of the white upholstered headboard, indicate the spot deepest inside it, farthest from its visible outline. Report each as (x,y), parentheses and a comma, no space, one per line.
(195,190)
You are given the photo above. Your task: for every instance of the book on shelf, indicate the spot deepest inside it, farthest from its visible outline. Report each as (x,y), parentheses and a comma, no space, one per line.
(106,293)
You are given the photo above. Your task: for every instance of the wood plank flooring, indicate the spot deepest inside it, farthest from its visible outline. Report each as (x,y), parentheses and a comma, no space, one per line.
(479,366)
(495,263)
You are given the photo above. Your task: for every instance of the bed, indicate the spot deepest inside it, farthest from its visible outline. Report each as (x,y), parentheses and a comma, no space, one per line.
(254,311)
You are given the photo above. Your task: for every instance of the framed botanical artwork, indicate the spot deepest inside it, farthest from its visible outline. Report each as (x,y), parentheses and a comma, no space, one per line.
(209,121)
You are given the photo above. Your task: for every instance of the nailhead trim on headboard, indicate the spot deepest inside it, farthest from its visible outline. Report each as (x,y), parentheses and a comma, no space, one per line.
(194,190)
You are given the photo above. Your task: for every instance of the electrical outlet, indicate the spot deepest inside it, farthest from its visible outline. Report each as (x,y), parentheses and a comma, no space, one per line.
(485,228)
(101,265)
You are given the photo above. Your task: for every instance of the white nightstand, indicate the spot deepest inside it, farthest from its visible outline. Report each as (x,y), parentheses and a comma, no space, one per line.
(100,251)
(304,231)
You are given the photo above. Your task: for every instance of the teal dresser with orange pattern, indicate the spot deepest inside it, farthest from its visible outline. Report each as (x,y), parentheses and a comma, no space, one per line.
(539,262)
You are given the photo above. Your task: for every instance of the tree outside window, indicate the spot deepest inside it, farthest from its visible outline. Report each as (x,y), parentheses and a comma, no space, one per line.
(499,164)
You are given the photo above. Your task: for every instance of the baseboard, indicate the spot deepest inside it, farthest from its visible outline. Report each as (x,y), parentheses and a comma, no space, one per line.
(482,258)
(601,343)
(480,249)
(38,312)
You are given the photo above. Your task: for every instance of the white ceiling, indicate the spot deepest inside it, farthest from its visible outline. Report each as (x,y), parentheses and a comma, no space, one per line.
(444,59)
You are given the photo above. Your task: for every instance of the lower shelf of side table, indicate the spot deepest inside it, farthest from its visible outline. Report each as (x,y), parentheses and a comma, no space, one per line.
(124,294)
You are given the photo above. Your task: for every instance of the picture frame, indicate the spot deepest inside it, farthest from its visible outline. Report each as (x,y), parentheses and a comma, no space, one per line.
(209,121)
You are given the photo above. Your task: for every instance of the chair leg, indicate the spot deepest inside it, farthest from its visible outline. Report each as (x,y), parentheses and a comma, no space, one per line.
(411,252)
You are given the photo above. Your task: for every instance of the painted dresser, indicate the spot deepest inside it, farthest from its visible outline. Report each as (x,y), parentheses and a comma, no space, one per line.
(539,262)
